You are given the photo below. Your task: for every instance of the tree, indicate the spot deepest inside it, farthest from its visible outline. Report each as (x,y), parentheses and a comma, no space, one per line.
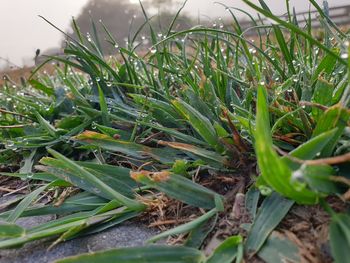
(161,3)
(123,19)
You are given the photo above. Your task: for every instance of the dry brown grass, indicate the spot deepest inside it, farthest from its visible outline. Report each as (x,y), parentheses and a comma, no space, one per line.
(15,75)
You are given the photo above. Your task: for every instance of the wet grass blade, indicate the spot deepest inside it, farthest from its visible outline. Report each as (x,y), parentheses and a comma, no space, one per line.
(46,125)
(296,30)
(273,170)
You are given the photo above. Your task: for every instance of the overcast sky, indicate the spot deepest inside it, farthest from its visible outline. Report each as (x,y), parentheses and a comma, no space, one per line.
(22,31)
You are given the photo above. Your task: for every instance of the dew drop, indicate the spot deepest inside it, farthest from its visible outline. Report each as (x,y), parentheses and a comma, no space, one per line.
(9,144)
(296,175)
(344,55)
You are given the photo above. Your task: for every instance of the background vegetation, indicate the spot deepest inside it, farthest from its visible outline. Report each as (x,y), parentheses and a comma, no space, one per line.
(245,136)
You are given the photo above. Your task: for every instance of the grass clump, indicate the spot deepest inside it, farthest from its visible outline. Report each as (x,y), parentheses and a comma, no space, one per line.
(187,123)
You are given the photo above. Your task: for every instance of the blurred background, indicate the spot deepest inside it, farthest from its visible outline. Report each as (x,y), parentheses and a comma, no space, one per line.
(23,33)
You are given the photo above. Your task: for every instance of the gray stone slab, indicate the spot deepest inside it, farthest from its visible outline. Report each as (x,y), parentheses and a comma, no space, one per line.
(126,235)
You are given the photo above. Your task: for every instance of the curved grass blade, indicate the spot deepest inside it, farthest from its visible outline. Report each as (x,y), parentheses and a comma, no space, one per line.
(273,170)
(151,254)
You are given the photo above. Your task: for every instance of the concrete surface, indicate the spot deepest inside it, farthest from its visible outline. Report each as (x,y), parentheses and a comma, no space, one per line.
(125,235)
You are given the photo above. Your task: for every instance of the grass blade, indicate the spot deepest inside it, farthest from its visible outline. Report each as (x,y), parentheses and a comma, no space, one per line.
(271,212)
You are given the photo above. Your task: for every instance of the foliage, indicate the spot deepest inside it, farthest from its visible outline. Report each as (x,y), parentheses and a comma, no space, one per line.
(123,19)
(202,102)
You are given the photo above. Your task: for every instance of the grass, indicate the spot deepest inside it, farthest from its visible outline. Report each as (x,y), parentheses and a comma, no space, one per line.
(200,109)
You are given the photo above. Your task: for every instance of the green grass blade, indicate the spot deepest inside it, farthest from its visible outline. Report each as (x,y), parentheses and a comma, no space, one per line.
(72,166)
(199,122)
(227,251)
(169,183)
(271,212)
(23,205)
(10,230)
(296,30)
(151,254)
(273,170)
(340,237)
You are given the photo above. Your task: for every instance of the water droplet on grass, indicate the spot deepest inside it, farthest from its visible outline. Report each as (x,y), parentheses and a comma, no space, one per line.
(344,55)
(9,144)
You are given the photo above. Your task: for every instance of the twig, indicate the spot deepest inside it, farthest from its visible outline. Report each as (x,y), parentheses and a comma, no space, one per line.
(10,62)
(14,126)
(16,191)
(143,165)
(340,179)
(152,136)
(330,161)
(169,222)
(313,104)
(13,113)
(4,189)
